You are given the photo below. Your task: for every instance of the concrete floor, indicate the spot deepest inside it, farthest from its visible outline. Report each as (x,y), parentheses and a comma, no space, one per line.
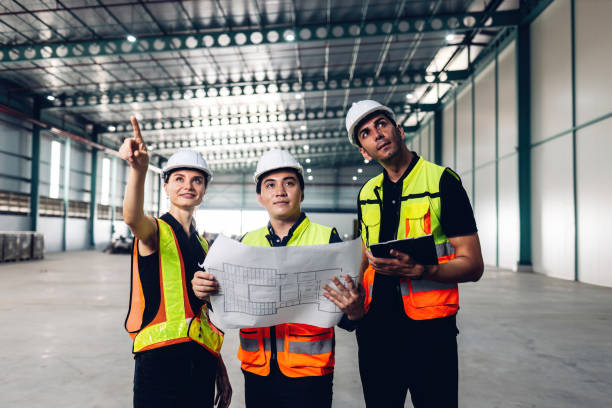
(526,340)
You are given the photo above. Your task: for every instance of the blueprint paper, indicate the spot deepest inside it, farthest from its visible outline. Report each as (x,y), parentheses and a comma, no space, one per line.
(265,286)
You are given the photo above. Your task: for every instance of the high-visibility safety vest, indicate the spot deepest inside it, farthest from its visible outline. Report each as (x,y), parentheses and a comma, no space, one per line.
(302,350)
(419,215)
(175,322)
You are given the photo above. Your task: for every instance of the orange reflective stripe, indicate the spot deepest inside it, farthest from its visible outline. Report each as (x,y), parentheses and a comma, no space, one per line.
(427,222)
(407,227)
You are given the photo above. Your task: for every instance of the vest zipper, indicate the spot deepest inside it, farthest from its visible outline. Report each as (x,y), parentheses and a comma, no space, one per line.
(273,343)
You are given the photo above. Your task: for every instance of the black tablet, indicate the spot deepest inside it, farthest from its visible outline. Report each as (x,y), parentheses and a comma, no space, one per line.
(421,249)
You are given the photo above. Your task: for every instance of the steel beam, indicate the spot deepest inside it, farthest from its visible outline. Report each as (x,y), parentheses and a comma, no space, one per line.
(93,189)
(219,123)
(294,85)
(35,168)
(437,122)
(268,36)
(113,187)
(524,146)
(66,192)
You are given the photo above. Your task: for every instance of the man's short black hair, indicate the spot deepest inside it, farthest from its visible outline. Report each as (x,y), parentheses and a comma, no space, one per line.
(368,117)
(168,173)
(263,176)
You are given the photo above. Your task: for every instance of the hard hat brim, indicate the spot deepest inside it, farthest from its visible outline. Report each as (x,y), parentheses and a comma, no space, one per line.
(204,170)
(360,118)
(257,175)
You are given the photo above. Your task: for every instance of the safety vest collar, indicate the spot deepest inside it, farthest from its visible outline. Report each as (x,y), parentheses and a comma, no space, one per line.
(296,229)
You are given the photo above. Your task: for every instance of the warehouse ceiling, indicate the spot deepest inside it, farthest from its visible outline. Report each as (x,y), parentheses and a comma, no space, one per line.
(235,78)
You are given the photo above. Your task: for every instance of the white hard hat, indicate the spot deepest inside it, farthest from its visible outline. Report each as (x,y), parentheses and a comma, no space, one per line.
(187,159)
(360,110)
(276,159)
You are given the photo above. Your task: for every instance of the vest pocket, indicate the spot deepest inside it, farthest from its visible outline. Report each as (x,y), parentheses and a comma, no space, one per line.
(370,220)
(251,350)
(416,220)
(426,293)
(309,346)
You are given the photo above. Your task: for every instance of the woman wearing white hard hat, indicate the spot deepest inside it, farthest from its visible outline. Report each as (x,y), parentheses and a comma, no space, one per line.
(176,347)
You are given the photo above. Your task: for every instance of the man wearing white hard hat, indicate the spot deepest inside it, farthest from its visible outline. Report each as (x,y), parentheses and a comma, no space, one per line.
(176,348)
(407,338)
(287,365)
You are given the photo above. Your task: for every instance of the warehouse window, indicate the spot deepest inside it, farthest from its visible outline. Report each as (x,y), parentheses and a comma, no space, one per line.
(56,157)
(105,199)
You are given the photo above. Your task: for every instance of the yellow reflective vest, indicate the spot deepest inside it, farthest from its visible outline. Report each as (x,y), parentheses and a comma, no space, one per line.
(301,350)
(174,321)
(419,215)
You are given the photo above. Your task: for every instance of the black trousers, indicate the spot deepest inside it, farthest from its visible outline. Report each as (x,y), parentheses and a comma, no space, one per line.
(178,375)
(279,391)
(398,355)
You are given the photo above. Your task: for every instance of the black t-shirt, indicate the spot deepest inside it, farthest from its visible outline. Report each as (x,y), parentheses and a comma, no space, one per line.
(456,219)
(193,256)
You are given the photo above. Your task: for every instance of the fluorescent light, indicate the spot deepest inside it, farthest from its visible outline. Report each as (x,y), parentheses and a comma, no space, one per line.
(450,37)
(131,38)
(354,178)
(310,177)
(366,161)
(50,98)
(308,170)
(307,160)
(359,170)
(409,96)
(111,128)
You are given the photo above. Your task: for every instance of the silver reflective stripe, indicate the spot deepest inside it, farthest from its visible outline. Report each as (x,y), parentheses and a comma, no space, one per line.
(249,344)
(444,249)
(280,344)
(370,291)
(404,288)
(311,347)
(426,285)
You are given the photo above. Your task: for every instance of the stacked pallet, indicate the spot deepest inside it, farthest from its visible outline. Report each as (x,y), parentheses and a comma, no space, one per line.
(21,245)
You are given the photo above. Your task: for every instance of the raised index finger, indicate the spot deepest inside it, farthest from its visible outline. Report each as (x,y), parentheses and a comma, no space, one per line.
(136,126)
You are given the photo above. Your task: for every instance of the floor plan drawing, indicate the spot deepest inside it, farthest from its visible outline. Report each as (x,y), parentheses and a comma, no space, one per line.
(262,291)
(265,286)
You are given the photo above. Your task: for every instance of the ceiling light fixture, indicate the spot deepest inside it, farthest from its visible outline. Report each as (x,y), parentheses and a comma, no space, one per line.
(50,98)
(131,38)
(450,37)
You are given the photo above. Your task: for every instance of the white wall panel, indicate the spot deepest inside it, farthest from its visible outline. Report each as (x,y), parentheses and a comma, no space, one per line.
(448,142)
(464,130)
(78,237)
(552,210)
(551,110)
(51,227)
(508,213)
(484,120)
(593,147)
(10,222)
(466,180)
(593,59)
(508,126)
(424,142)
(484,212)
(102,233)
